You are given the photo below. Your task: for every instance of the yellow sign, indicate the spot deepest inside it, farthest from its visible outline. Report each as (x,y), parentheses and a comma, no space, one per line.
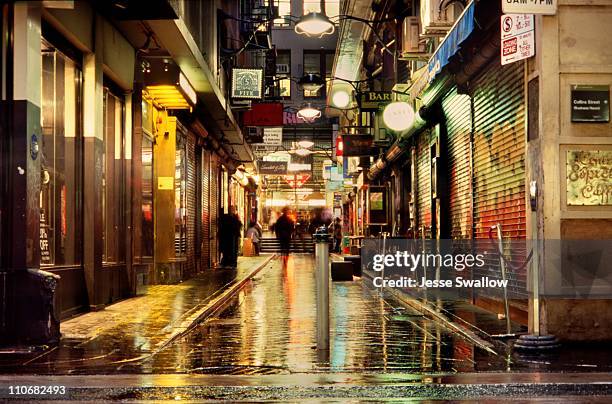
(165,183)
(589,177)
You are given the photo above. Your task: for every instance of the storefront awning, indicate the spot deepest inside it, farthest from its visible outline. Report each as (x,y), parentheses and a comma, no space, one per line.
(450,45)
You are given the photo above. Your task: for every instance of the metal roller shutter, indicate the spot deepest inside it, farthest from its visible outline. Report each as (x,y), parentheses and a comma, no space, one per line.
(499,152)
(499,165)
(423,184)
(205,210)
(457,111)
(214,208)
(191,204)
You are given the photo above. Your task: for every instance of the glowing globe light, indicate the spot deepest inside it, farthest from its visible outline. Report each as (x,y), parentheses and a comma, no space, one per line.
(341,99)
(398,116)
(314,25)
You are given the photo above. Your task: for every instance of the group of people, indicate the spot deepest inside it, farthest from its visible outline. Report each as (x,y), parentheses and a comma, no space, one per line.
(230,230)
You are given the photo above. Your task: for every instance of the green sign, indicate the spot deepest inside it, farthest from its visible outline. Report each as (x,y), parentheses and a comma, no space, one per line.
(372,100)
(590,103)
(247,83)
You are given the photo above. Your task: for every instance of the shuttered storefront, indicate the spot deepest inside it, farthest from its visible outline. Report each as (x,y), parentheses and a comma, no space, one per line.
(499,152)
(214,208)
(191,204)
(423,172)
(499,162)
(458,120)
(205,210)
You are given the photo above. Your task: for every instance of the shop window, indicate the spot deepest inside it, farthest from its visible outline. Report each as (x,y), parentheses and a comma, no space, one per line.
(113,179)
(320,63)
(283,72)
(332,7)
(180,196)
(146,156)
(60,197)
(284,13)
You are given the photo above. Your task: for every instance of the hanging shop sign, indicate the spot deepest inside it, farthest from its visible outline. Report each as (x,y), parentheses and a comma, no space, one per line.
(372,100)
(590,103)
(517,37)
(589,177)
(273,136)
(358,145)
(299,167)
(264,114)
(272,167)
(296,180)
(546,7)
(167,86)
(247,83)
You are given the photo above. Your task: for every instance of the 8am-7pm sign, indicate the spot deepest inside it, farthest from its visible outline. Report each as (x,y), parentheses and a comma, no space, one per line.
(517,37)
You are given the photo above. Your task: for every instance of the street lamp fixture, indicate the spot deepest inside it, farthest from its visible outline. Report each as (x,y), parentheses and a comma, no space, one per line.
(305,144)
(398,116)
(308,113)
(311,82)
(314,25)
(303,152)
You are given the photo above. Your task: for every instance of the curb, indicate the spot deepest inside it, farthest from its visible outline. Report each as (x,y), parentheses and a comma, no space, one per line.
(430,311)
(210,307)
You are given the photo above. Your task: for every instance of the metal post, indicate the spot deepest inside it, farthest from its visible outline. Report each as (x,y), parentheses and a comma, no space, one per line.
(535,275)
(503,273)
(322,280)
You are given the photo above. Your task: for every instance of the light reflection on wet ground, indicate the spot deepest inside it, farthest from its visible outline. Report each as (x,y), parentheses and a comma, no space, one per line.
(269,328)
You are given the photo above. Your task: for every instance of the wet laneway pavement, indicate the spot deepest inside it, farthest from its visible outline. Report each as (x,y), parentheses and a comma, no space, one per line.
(269,326)
(260,345)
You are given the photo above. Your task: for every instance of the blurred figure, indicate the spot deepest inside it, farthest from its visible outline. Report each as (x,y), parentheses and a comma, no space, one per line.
(284,229)
(336,231)
(254,234)
(229,238)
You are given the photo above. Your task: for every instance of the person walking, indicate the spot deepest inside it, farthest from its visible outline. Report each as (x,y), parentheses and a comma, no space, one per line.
(254,234)
(229,235)
(336,231)
(284,229)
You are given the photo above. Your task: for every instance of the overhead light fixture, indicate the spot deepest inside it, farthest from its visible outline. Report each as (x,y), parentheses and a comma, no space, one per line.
(303,152)
(341,99)
(398,116)
(305,144)
(315,25)
(311,82)
(308,113)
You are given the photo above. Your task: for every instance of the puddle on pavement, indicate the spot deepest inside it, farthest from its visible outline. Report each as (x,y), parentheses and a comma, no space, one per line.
(269,328)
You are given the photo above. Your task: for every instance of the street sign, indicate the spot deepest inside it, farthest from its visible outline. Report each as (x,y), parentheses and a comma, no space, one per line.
(272,167)
(517,37)
(358,145)
(546,7)
(590,103)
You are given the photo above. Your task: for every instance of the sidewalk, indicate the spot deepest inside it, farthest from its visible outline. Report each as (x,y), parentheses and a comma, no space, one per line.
(136,327)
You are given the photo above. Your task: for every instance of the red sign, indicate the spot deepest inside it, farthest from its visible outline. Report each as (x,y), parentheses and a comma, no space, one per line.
(264,114)
(296,181)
